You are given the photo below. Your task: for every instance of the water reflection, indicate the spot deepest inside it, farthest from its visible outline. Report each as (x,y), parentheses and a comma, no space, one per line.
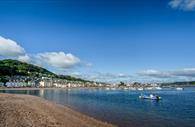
(41,92)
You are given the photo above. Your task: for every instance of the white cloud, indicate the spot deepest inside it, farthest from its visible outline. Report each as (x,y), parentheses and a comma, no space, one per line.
(149,75)
(9,48)
(25,58)
(186,5)
(154,74)
(103,77)
(187,72)
(175,74)
(50,60)
(58,59)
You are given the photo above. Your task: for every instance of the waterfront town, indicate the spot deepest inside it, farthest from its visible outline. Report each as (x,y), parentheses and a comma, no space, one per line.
(46,82)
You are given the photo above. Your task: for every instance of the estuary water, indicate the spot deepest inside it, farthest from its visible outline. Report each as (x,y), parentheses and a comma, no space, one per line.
(124,108)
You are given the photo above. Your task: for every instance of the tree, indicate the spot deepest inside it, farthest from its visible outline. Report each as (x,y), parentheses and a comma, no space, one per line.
(122,84)
(3,79)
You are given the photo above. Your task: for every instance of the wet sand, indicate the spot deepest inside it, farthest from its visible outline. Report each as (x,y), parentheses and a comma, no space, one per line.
(31,111)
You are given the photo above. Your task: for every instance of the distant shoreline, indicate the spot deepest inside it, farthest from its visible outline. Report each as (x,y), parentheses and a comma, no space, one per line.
(28,88)
(26,110)
(55,88)
(31,88)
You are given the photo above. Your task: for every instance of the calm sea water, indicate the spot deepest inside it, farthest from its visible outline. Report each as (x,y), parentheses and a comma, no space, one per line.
(124,108)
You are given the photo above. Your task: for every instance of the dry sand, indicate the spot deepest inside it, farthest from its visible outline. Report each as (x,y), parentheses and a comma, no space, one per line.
(31,111)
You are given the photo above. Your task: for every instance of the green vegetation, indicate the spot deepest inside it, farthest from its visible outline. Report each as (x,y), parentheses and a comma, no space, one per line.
(3,79)
(70,78)
(9,68)
(175,84)
(122,84)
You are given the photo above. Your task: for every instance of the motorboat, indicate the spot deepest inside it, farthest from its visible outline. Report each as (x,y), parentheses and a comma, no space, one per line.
(113,88)
(158,88)
(131,88)
(150,97)
(107,88)
(149,88)
(179,88)
(125,88)
(140,89)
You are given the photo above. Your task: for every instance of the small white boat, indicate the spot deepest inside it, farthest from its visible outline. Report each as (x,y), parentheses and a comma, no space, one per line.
(158,88)
(107,88)
(179,88)
(113,88)
(125,88)
(150,97)
(140,89)
(149,88)
(131,88)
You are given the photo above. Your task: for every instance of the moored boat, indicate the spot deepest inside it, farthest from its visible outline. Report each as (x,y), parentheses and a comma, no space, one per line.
(140,89)
(107,88)
(132,88)
(149,88)
(158,88)
(113,88)
(125,88)
(150,97)
(179,88)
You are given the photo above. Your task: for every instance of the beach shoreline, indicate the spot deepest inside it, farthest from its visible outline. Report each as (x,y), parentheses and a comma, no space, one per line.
(47,88)
(32,111)
(75,88)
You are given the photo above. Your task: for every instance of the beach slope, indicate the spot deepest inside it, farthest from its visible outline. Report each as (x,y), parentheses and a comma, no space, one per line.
(31,111)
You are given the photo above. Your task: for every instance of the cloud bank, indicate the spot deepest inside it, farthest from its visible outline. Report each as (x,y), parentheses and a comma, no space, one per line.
(186,5)
(103,77)
(186,73)
(155,74)
(58,59)
(10,48)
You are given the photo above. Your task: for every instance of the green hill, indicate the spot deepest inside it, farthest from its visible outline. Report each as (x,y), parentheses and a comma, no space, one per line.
(9,67)
(179,84)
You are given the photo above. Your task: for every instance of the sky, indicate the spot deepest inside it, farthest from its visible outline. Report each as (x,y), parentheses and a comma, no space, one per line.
(103,40)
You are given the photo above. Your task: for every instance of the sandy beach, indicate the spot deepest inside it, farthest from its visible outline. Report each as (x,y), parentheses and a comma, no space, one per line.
(31,111)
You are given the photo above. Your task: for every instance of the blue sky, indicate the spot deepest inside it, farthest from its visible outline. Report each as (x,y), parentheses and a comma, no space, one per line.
(109,40)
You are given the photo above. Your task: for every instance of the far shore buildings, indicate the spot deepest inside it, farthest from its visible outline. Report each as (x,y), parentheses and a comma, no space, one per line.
(45,82)
(17,83)
(21,81)
(59,83)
